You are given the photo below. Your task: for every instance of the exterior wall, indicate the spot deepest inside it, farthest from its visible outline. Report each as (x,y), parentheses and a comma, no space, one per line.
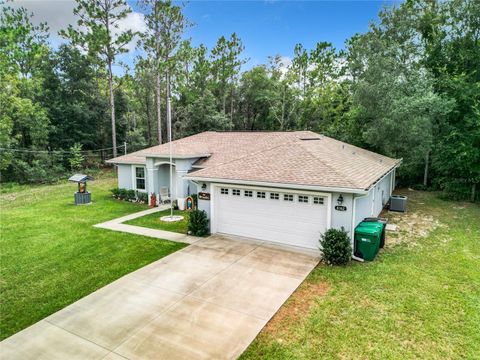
(125,176)
(204,204)
(342,218)
(373,203)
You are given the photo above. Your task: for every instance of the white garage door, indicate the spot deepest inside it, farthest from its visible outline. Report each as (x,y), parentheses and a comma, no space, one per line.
(278,216)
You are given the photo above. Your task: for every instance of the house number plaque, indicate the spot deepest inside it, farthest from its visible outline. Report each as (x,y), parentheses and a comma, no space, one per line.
(341,208)
(203,196)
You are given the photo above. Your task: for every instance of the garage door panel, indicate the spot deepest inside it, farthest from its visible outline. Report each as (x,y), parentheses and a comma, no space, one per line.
(292,223)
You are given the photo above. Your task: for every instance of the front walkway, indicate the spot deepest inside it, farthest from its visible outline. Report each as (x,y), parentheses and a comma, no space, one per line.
(206,301)
(117,225)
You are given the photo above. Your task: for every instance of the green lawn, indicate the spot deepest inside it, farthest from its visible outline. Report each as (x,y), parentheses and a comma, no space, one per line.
(51,256)
(418,299)
(153,221)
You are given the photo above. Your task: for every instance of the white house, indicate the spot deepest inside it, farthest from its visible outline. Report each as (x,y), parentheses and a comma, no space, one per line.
(283,187)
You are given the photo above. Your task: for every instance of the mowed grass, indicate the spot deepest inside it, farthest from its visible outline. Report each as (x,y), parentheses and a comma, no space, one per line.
(417,300)
(153,221)
(51,255)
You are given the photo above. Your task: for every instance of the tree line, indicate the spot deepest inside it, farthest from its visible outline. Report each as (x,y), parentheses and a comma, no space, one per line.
(407,88)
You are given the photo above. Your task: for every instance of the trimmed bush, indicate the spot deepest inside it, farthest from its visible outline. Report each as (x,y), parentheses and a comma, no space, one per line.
(336,247)
(142,197)
(122,194)
(198,223)
(115,192)
(129,195)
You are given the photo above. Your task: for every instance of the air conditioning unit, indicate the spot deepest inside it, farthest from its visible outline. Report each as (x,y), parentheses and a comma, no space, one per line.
(398,203)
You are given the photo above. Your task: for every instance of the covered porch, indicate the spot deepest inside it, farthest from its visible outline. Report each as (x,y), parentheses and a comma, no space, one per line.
(158,178)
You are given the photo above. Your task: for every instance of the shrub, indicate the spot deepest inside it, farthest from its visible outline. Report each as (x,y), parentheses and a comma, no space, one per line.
(76,157)
(336,247)
(198,223)
(131,196)
(115,192)
(122,193)
(142,197)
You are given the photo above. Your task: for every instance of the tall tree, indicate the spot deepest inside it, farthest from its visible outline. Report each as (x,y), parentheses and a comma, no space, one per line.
(144,83)
(166,25)
(282,101)
(23,121)
(99,33)
(226,65)
(393,92)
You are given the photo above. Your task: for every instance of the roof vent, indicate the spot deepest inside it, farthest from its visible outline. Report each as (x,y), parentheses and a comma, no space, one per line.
(310,138)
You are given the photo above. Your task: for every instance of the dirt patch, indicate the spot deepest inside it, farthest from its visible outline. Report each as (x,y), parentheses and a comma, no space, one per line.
(295,309)
(411,227)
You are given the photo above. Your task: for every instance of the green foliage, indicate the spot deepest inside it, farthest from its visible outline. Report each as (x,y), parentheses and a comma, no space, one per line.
(198,224)
(335,246)
(76,157)
(129,195)
(408,88)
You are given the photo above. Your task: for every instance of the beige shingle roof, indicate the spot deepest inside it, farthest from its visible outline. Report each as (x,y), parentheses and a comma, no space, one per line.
(296,158)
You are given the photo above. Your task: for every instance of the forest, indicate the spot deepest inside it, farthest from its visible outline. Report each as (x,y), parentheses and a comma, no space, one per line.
(407,88)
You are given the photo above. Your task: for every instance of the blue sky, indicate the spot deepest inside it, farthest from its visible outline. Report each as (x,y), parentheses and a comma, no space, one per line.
(274,27)
(266,28)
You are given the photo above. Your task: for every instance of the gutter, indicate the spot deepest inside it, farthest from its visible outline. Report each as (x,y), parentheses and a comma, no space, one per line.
(279,185)
(385,175)
(177,156)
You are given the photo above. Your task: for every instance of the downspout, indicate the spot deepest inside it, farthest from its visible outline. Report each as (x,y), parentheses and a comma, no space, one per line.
(353,225)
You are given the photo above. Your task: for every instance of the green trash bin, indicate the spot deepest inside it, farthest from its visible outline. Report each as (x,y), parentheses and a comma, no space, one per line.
(367,242)
(376,225)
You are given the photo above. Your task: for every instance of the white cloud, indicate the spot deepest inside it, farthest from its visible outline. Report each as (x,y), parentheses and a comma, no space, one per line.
(134,21)
(57,13)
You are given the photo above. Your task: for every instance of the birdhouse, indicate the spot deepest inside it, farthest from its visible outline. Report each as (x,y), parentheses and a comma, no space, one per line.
(82,196)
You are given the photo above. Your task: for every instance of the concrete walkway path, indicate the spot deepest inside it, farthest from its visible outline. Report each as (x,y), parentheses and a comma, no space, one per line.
(206,301)
(117,225)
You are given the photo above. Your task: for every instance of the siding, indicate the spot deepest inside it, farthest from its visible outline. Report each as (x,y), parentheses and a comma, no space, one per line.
(372,205)
(342,218)
(125,176)
(204,204)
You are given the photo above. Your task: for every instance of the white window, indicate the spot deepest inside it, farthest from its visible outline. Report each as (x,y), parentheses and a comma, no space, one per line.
(288,197)
(274,196)
(140,178)
(260,195)
(318,200)
(224,191)
(236,192)
(248,193)
(302,199)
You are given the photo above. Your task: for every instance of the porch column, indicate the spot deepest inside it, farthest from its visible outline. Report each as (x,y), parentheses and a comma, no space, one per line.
(181,185)
(152,179)
(182,167)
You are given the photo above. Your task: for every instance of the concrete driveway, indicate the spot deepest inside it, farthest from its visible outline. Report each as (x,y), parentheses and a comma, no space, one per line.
(206,301)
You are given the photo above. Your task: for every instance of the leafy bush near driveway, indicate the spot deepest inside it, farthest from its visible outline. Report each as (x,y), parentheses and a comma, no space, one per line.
(336,247)
(198,223)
